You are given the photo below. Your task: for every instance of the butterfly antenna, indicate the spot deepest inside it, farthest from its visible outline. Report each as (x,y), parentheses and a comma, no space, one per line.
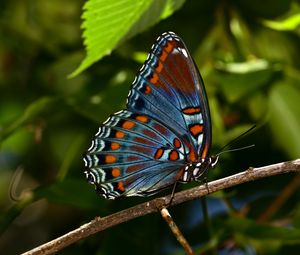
(237,149)
(235,140)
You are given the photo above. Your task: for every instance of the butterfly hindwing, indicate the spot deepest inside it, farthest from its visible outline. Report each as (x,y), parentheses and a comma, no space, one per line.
(133,154)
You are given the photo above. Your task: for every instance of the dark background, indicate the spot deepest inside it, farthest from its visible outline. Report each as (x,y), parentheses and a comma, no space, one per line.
(251,74)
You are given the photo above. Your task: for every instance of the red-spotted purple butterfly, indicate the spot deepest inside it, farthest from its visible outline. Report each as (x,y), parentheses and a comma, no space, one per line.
(163,136)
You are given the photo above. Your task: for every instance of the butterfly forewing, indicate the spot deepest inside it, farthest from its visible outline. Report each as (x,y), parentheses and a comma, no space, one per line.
(169,88)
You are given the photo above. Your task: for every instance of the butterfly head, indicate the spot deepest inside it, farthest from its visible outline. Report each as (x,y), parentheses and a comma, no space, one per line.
(194,170)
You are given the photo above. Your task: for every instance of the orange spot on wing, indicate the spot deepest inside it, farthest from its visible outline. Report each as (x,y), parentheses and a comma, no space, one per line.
(114,146)
(192,156)
(110,159)
(154,78)
(115,172)
(159,67)
(147,89)
(166,50)
(169,47)
(120,134)
(196,129)
(163,56)
(158,153)
(121,186)
(173,155)
(128,124)
(191,110)
(177,143)
(142,118)
(205,151)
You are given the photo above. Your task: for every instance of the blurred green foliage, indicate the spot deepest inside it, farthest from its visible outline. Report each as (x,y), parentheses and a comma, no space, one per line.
(248,54)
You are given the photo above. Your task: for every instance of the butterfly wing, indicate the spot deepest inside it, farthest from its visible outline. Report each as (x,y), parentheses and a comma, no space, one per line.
(166,125)
(133,154)
(169,88)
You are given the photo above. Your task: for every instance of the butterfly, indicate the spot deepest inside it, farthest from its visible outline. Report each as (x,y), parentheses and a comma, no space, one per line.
(164,134)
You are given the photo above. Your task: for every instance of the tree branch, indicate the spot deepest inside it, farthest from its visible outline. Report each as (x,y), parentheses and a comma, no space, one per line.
(100,224)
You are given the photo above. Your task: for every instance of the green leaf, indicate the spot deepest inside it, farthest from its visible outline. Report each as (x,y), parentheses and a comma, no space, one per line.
(107,22)
(244,67)
(240,79)
(284,118)
(290,23)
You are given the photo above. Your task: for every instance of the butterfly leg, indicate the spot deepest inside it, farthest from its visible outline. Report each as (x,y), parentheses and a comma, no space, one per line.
(206,184)
(172,195)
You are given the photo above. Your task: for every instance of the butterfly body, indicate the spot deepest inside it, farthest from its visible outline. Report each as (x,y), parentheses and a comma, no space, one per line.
(164,134)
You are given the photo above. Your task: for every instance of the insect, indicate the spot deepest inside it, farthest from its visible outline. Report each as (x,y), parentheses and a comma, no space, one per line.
(164,134)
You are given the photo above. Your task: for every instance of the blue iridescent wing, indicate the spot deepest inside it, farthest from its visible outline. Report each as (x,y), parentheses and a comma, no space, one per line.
(133,154)
(169,88)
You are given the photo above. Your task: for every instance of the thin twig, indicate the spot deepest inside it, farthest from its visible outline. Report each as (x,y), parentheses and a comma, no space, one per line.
(100,224)
(176,231)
